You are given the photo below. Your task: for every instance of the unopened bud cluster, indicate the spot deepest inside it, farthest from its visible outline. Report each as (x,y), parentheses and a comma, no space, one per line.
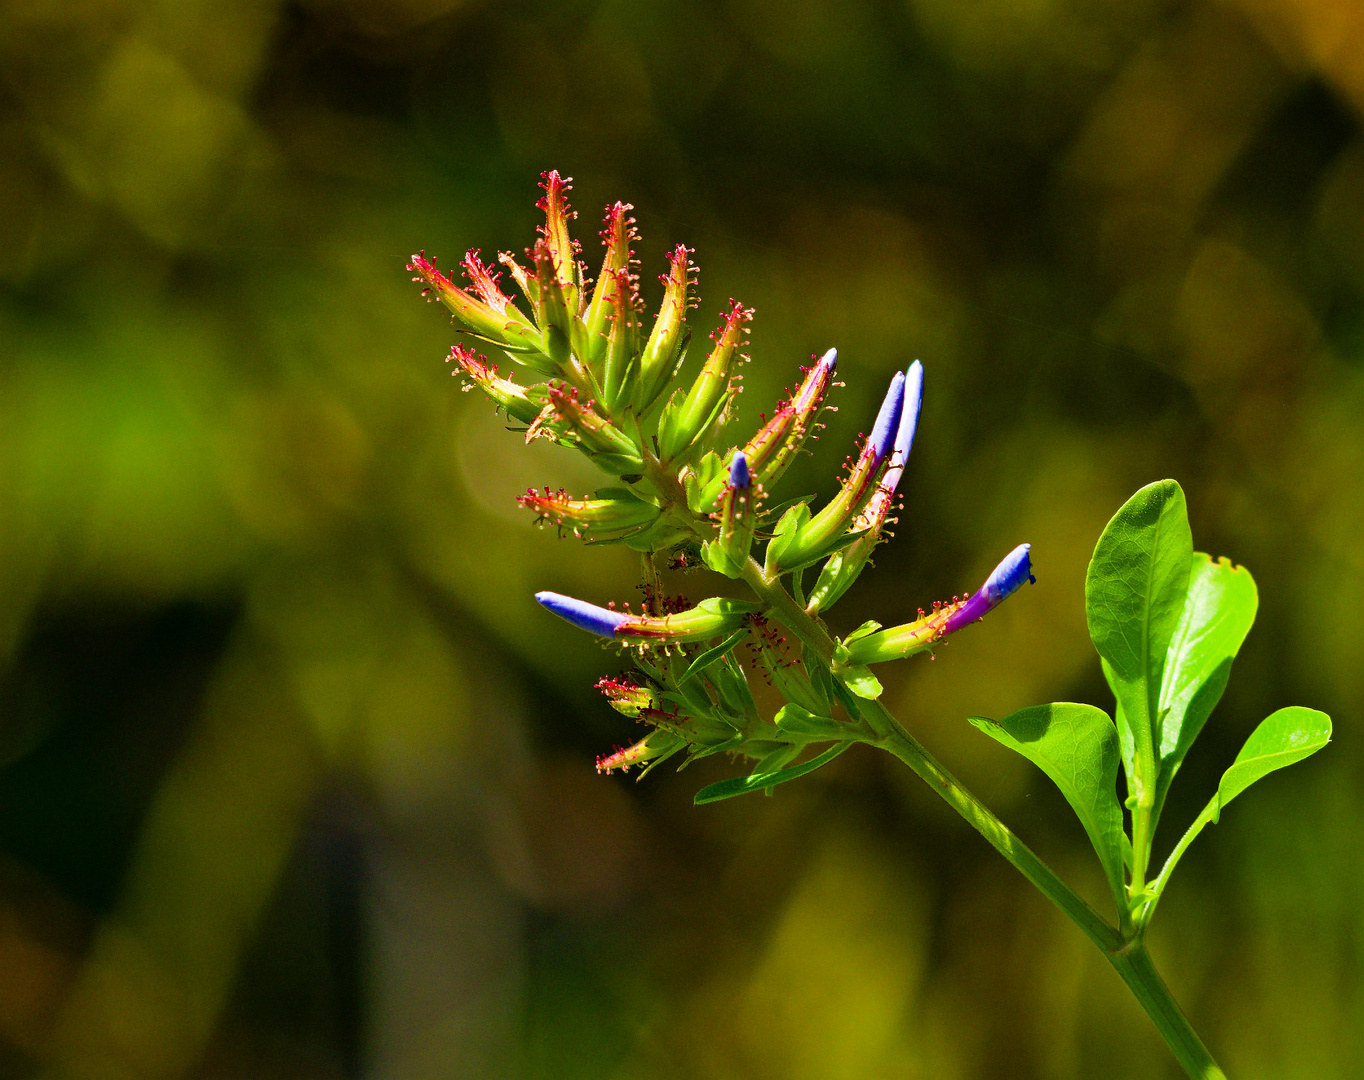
(592,377)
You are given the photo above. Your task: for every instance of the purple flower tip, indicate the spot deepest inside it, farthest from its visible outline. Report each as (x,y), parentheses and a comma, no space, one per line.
(738,471)
(829,359)
(1009,575)
(888,419)
(585,616)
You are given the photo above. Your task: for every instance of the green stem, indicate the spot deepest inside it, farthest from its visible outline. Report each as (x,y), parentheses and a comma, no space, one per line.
(1133,963)
(909,750)
(1126,952)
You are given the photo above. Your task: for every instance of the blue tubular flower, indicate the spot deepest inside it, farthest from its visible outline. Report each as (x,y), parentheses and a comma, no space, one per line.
(888,419)
(1007,579)
(901,641)
(708,619)
(909,423)
(738,471)
(585,616)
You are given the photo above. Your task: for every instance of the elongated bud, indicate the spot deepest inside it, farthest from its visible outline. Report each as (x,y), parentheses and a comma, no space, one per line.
(654,747)
(626,696)
(552,306)
(611,511)
(487,285)
(728,553)
(708,619)
(563,249)
(1008,577)
(618,234)
(601,440)
(826,528)
(477,317)
(844,566)
(620,371)
(779,440)
(515,399)
(663,350)
(914,637)
(709,395)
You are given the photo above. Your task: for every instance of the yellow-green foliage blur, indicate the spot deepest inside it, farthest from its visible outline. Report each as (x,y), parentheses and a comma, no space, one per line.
(296,778)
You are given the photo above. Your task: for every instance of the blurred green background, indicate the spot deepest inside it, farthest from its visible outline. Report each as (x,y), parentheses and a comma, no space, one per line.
(296,779)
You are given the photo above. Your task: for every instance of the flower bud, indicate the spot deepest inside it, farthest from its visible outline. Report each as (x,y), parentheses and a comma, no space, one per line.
(653,748)
(515,399)
(618,234)
(778,441)
(620,371)
(666,346)
(610,512)
(601,440)
(700,412)
(502,326)
(625,696)
(708,619)
(844,566)
(562,248)
(552,309)
(910,638)
(738,515)
(826,528)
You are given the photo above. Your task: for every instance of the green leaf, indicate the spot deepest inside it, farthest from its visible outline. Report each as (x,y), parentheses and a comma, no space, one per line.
(710,656)
(1217,616)
(744,785)
(1077,746)
(1134,597)
(802,722)
(1283,737)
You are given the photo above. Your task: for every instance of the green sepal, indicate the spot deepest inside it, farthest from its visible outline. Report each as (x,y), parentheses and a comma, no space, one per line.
(865,630)
(787,528)
(616,464)
(859,679)
(705,482)
(794,720)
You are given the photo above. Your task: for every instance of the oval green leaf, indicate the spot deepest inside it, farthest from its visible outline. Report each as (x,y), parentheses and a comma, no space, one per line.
(1217,616)
(1283,737)
(1134,596)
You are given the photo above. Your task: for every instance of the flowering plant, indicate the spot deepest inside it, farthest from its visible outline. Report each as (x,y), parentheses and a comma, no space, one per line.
(1166,621)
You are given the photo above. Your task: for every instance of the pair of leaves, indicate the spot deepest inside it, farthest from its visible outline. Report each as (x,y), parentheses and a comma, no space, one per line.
(1167,622)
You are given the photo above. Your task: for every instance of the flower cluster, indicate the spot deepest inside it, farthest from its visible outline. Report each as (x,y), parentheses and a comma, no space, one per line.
(681,490)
